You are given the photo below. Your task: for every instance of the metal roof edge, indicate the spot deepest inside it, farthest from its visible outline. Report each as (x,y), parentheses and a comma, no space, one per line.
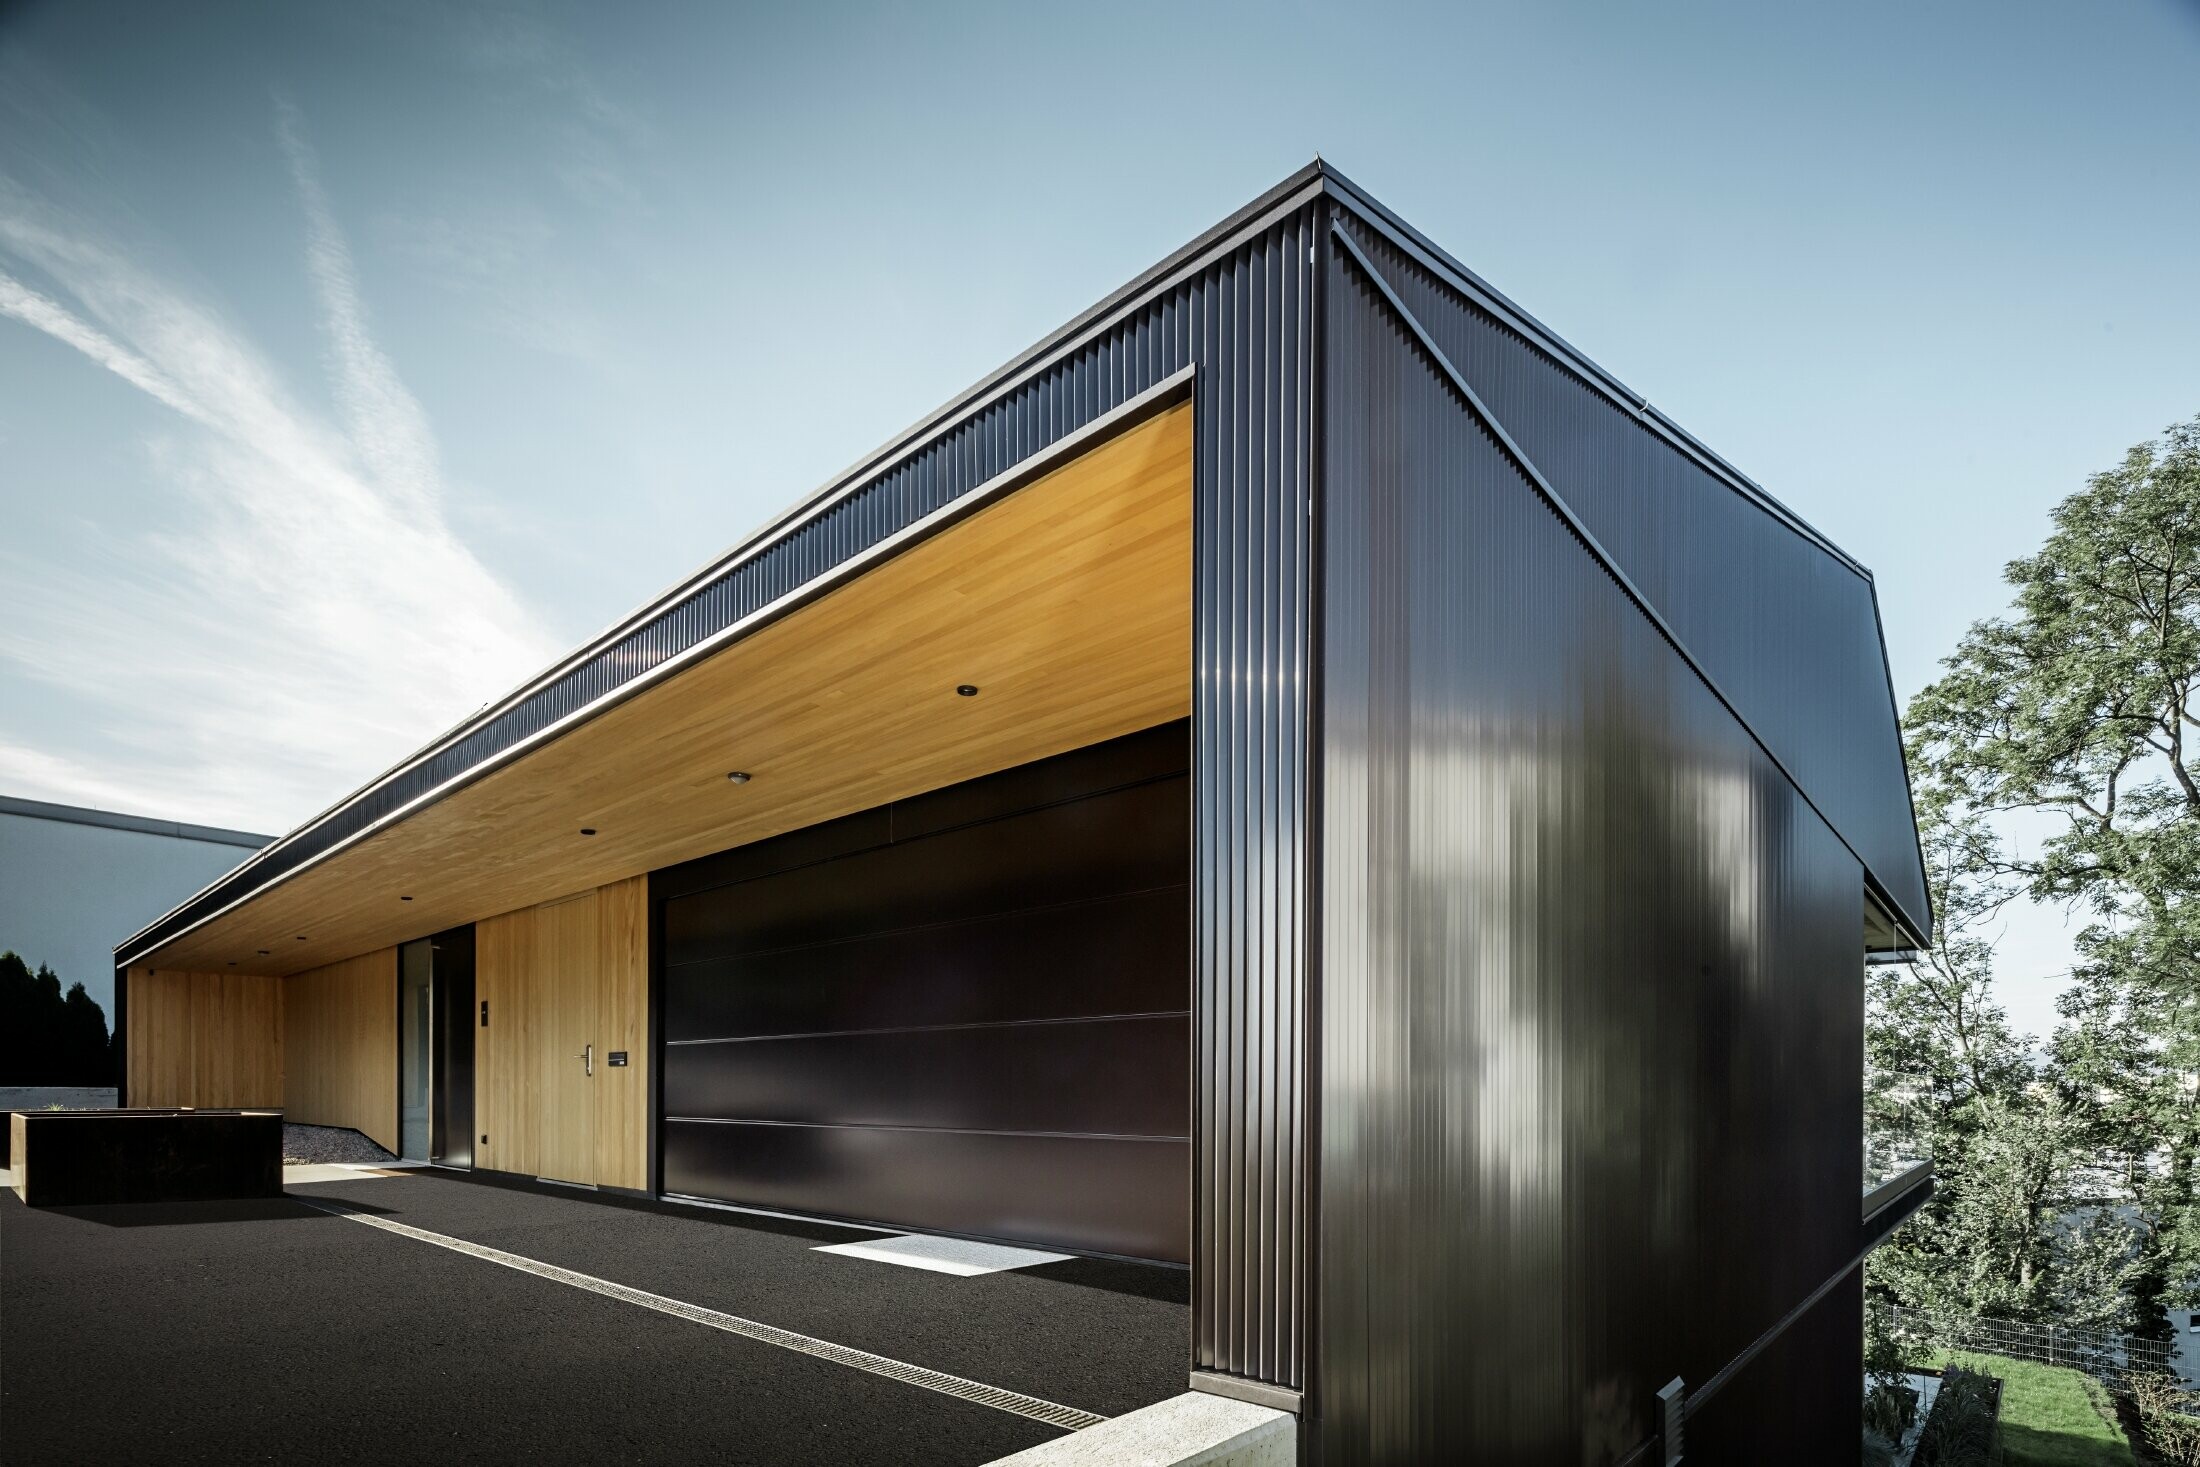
(1920,924)
(140,824)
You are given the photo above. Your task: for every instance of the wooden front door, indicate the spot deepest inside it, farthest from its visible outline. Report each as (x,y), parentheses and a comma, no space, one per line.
(566,984)
(565,1040)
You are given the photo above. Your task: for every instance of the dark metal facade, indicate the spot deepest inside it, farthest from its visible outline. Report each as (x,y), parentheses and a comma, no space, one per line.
(968,1011)
(1590,1007)
(1783,622)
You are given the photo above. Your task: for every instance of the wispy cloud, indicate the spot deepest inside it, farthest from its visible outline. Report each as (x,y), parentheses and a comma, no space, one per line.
(28,306)
(313,617)
(383,420)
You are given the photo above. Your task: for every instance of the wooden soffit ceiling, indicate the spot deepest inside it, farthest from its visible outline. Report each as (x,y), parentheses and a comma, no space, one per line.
(1067,603)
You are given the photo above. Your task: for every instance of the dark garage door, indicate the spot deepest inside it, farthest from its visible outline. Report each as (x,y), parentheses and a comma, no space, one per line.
(967,1011)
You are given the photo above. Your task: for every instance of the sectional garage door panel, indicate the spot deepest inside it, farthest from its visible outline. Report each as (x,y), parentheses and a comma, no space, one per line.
(1110,843)
(1109,1077)
(1122,954)
(966,1012)
(1125,1196)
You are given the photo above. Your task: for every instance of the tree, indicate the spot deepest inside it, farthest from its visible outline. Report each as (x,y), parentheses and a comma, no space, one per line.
(20,1020)
(46,1037)
(80,1039)
(2017,1226)
(2080,707)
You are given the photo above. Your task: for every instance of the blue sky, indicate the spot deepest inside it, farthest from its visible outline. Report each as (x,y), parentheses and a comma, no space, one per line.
(355,360)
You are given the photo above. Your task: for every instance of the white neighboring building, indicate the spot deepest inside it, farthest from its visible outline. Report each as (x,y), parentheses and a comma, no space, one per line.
(74,882)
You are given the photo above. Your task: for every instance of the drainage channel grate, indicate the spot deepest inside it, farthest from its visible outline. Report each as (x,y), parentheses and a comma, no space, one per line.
(1053,1413)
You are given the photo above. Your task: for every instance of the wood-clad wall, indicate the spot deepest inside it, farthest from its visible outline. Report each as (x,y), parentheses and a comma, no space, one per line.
(340,1035)
(622,1019)
(558,979)
(204,1039)
(507,1070)
(322,1044)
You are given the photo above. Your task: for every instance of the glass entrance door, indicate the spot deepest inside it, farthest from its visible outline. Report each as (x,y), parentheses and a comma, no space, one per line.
(435,1048)
(415,1036)
(451,1128)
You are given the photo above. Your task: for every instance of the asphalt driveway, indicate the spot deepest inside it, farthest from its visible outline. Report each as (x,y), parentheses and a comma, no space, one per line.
(275,1332)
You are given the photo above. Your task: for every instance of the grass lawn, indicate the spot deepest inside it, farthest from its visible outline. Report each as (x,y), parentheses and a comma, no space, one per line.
(2048,1417)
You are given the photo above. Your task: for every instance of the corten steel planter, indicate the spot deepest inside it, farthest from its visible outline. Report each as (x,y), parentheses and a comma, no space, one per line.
(73,1158)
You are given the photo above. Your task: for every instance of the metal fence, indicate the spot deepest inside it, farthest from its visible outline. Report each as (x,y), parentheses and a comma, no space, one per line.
(2109,1358)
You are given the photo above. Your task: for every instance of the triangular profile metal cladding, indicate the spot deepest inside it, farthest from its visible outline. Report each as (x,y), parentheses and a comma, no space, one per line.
(1550,495)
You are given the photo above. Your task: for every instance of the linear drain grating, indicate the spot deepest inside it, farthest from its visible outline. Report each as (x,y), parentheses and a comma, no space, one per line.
(1053,1413)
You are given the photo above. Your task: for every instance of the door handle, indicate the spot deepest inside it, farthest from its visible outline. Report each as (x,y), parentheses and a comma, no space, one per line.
(587,1057)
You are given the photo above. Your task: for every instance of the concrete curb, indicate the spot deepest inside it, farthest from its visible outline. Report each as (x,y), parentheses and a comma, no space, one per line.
(1195,1429)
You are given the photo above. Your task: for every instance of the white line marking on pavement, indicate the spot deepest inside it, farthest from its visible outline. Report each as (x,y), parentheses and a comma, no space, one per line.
(1053,1413)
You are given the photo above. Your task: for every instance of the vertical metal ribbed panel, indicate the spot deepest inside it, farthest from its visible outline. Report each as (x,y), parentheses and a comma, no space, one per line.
(1589,1009)
(1789,629)
(1249,716)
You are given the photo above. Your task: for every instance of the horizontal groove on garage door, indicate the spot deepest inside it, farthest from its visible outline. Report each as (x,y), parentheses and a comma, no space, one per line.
(1110,1075)
(930,1130)
(931,1028)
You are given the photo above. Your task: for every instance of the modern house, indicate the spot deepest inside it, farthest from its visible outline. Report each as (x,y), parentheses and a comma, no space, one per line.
(71,877)
(1300,774)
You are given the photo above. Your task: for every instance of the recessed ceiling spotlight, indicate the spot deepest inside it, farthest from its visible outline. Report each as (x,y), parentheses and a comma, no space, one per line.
(740,776)
(966,690)
(588,830)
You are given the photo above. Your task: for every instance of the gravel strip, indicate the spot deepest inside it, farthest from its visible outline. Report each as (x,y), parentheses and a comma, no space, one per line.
(55,1097)
(307,1144)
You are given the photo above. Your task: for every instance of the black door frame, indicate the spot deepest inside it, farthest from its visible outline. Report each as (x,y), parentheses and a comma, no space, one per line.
(451,1007)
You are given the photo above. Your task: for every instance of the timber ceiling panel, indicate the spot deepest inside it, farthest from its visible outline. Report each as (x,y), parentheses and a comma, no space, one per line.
(1067,604)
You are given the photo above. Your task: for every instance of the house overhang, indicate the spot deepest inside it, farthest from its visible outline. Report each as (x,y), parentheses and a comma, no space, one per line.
(1060,593)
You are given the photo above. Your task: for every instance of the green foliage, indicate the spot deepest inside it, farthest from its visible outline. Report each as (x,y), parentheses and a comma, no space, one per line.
(1961,1431)
(2050,1417)
(2066,1176)
(2167,1416)
(47,1037)
(1890,1401)
(2011,1230)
